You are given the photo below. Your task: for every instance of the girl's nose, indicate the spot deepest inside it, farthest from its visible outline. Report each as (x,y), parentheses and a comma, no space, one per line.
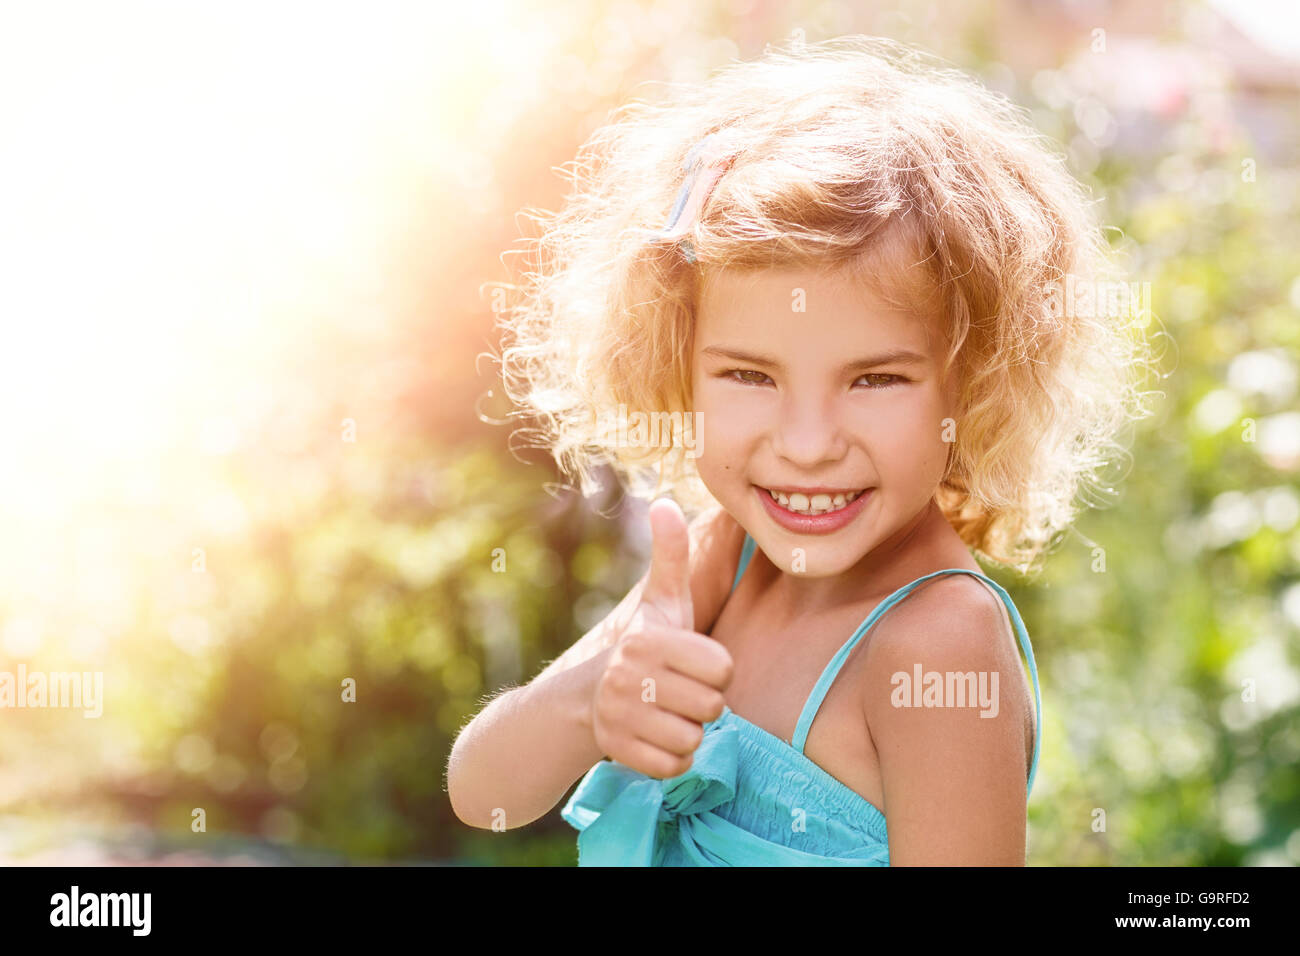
(808,433)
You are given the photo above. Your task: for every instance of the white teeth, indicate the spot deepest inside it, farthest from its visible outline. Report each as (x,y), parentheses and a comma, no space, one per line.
(816,505)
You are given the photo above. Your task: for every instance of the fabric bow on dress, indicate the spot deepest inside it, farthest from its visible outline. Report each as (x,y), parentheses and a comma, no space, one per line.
(629,819)
(625,815)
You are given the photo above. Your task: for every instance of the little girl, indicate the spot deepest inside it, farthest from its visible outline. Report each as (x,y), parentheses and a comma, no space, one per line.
(833,277)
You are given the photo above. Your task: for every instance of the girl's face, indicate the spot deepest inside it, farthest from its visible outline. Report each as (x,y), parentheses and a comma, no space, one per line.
(808,380)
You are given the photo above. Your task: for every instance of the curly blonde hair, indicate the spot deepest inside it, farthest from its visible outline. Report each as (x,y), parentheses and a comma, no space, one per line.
(846,151)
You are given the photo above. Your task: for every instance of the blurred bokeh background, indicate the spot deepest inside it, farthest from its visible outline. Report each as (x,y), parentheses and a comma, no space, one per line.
(249,449)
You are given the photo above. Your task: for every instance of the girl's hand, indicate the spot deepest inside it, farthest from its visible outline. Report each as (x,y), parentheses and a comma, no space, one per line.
(662,681)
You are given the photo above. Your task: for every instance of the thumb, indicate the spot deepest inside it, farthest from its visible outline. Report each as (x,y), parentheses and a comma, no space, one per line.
(669,586)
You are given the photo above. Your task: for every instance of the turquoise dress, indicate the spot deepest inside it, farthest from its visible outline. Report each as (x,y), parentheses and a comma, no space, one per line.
(749,798)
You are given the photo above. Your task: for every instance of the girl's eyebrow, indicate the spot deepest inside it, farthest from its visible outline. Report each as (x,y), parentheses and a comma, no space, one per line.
(900,356)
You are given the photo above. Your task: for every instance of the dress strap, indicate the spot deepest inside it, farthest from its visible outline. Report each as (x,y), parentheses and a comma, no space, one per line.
(746,553)
(823,685)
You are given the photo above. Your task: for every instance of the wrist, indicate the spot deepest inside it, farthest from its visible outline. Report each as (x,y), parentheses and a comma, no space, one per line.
(580,700)
(587,679)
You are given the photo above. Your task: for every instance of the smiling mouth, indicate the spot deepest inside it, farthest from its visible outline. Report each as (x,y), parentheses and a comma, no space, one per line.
(801,504)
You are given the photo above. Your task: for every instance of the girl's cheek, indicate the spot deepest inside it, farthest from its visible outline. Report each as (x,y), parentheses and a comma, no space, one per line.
(906,432)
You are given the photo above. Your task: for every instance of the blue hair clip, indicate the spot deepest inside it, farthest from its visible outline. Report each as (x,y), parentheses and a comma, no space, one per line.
(703,167)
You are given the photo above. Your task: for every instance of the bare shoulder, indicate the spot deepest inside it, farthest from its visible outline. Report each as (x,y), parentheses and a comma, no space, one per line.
(952,623)
(953,613)
(944,700)
(716,542)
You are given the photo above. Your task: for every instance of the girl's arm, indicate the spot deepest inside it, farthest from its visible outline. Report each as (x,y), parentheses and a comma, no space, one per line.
(954,781)
(516,759)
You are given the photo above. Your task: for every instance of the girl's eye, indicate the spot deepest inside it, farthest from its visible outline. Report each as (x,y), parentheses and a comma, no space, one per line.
(736,372)
(892,380)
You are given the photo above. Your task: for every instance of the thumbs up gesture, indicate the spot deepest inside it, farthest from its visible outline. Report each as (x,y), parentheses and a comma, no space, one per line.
(662,680)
